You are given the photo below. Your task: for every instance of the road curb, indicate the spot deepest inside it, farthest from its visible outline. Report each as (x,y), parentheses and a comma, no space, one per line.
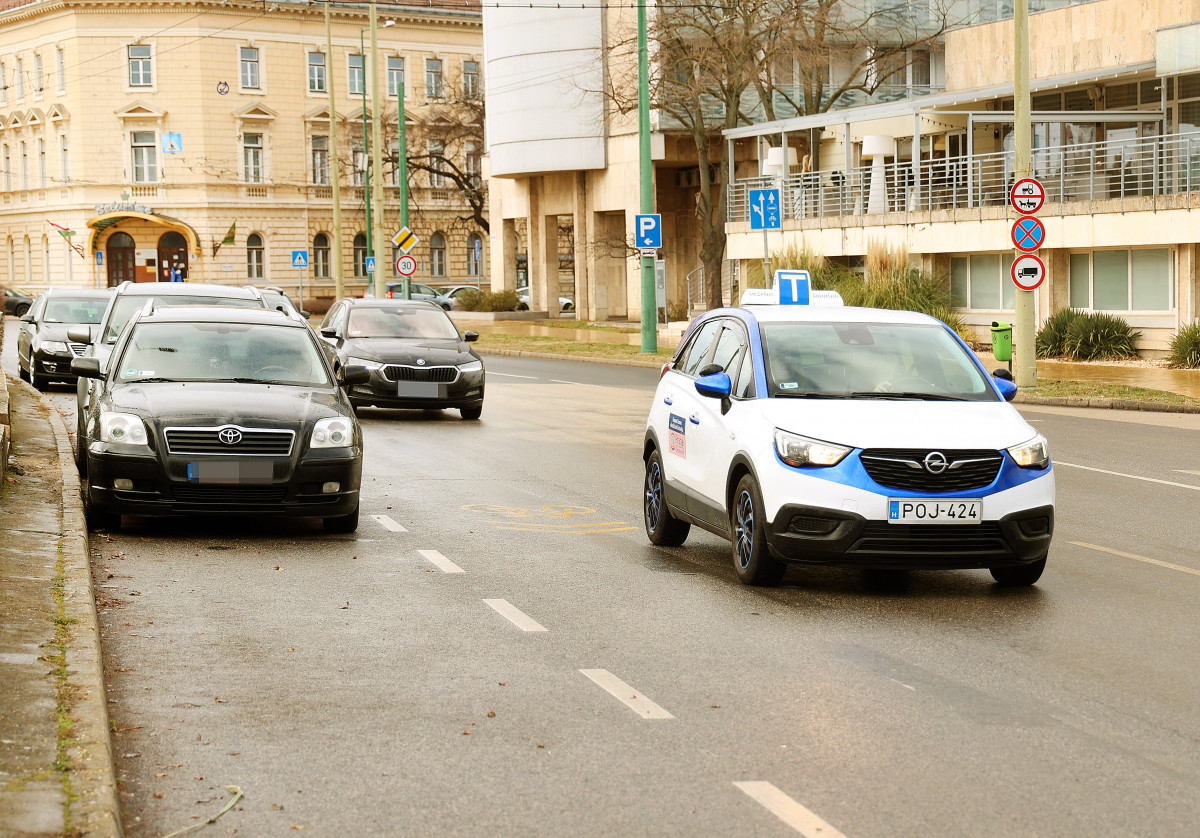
(649,363)
(96,813)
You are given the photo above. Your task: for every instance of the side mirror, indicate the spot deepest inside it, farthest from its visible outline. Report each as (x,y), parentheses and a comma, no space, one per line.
(355,374)
(78,334)
(470,337)
(1002,378)
(86,367)
(328,332)
(305,314)
(714,386)
(27,317)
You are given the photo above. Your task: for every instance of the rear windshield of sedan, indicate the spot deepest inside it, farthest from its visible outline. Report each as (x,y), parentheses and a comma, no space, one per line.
(222,352)
(126,305)
(869,360)
(400,322)
(86,310)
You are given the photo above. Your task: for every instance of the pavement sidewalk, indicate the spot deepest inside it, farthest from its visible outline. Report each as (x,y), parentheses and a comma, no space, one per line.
(56,768)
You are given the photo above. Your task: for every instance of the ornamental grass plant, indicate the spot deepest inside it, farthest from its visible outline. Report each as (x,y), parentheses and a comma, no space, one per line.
(1086,336)
(1185,347)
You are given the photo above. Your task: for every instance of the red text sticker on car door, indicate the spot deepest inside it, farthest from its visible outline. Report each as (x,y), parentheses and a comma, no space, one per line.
(677,443)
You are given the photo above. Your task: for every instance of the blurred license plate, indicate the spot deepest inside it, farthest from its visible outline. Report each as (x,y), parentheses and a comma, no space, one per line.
(911,511)
(421,389)
(231,471)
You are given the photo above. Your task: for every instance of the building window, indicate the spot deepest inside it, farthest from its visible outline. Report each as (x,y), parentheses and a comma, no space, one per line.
(433,78)
(1121,280)
(320,160)
(474,170)
(43,174)
(437,256)
(60,69)
(46,260)
(64,158)
(252,158)
(437,163)
(470,79)
(354,81)
(24,166)
(359,158)
(3,83)
(360,255)
(394,159)
(321,256)
(20,78)
(982,282)
(141,68)
(316,72)
(255,256)
(7,170)
(474,255)
(145,157)
(395,75)
(250,71)
(38,84)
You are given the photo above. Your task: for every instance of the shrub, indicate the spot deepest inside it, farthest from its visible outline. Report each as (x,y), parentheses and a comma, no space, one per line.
(469,300)
(1095,335)
(1051,339)
(506,300)
(1185,347)
(474,300)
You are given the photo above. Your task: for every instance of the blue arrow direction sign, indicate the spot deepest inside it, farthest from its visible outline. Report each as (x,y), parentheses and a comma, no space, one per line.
(649,231)
(1028,234)
(764,209)
(299,258)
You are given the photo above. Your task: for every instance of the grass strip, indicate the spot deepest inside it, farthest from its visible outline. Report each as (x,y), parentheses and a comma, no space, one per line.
(55,653)
(1096,390)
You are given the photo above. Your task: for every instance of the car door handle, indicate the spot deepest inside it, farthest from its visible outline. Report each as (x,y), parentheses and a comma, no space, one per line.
(694,419)
(668,400)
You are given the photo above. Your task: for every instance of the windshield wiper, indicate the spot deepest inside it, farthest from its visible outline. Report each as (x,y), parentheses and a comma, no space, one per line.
(790,394)
(907,396)
(150,379)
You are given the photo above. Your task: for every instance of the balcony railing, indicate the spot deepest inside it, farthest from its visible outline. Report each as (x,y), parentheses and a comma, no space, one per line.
(1115,169)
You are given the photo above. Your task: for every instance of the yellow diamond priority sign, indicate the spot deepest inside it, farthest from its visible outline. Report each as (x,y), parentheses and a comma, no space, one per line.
(406,240)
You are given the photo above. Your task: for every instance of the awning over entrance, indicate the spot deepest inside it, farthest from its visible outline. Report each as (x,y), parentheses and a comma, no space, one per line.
(116,215)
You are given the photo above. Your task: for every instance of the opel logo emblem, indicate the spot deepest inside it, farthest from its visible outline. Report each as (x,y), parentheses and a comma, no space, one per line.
(229,436)
(420,362)
(936,462)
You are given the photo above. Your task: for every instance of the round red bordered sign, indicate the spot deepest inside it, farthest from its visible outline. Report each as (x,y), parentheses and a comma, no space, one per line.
(1028,234)
(1027,195)
(1028,272)
(406,266)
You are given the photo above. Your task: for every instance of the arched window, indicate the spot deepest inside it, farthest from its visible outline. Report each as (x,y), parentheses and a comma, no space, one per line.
(437,255)
(46,260)
(474,254)
(28,262)
(321,254)
(255,257)
(360,255)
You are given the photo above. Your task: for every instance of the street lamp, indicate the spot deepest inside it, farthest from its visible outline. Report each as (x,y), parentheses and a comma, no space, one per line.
(362,55)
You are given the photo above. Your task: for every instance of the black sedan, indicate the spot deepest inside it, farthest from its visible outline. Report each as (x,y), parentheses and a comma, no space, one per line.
(16,302)
(44,351)
(209,410)
(416,356)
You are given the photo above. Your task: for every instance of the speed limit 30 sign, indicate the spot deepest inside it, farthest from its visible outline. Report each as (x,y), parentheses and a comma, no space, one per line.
(406,266)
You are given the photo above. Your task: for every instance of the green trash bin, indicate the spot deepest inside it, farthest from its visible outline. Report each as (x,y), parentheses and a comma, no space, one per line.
(1002,340)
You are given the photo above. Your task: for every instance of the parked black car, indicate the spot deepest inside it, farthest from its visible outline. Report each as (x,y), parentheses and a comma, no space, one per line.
(43,351)
(218,410)
(416,356)
(16,302)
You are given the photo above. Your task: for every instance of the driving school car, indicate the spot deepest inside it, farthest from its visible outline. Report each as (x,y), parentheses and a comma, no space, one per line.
(806,431)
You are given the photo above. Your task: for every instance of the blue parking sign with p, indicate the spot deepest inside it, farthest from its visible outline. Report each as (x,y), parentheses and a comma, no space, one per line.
(793,287)
(649,231)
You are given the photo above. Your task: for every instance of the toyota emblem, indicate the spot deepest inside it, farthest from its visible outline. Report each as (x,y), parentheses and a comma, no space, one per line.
(420,362)
(936,462)
(229,436)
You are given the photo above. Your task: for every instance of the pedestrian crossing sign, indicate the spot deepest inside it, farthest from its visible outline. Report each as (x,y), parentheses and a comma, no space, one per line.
(299,258)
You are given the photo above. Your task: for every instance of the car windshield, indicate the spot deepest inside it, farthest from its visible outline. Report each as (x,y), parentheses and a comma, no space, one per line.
(125,306)
(401,322)
(222,352)
(86,310)
(870,360)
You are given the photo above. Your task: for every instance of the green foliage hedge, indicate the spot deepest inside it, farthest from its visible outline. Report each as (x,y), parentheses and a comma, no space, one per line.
(1185,347)
(475,300)
(1086,336)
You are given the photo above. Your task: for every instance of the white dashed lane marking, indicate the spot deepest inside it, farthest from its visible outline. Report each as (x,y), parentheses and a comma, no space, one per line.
(388,523)
(1137,558)
(440,562)
(1131,476)
(788,810)
(626,694)
(514,615)
(511,375)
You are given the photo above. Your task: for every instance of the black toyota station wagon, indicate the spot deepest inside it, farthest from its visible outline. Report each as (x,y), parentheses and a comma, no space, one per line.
(220,410)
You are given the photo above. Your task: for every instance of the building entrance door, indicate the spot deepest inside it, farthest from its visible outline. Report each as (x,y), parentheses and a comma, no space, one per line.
(120,255)
(172,258)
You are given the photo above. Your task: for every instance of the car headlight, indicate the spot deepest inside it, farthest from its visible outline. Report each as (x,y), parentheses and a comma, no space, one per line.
(796,450)
(123,428)
(471,366)
(1032,454)
(363,362)
(55,346)
(335,432)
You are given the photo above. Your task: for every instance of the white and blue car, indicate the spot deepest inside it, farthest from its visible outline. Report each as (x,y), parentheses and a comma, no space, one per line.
(806,431)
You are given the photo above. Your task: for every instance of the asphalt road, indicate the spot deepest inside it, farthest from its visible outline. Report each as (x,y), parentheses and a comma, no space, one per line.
(499,651)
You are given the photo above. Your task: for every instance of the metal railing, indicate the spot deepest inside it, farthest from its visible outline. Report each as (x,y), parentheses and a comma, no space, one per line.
(1114,169)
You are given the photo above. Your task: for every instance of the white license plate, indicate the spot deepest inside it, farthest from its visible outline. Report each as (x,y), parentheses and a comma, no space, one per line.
(231,471)
(420,389)
(916,511)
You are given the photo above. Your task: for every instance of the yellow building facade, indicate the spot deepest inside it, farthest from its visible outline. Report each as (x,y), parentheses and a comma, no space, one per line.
(171,140)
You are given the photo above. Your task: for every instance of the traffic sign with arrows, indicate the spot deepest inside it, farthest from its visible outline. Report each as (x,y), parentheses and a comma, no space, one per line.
(764,209)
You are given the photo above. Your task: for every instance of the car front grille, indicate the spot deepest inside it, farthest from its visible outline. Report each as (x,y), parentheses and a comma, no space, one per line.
(442,375)
(880,537)
(254,442)
(230,496)
(904,469)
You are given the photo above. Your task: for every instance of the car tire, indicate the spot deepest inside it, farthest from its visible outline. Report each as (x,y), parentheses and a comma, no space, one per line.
(20,310)
(81,455)
(342,523)
(1020,576)
(522,307)
(471,413)
(21,372)
(752,559)
(38,382)
(662,528)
